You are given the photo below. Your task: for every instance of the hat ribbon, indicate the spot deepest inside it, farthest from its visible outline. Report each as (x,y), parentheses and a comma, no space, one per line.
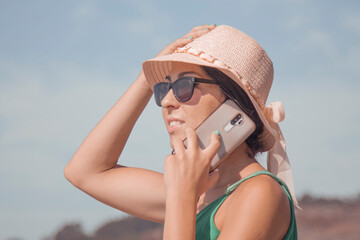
(277,159)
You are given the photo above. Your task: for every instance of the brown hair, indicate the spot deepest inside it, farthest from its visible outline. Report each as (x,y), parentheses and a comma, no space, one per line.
(235,92)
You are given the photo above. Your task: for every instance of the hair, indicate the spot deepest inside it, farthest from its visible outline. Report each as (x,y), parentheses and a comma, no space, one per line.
(235,92)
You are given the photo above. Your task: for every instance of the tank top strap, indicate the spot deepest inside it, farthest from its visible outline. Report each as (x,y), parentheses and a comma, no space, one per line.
(230,189)
(205,225)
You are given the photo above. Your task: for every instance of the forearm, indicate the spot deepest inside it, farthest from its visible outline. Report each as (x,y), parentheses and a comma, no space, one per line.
(180,217)
(103,146)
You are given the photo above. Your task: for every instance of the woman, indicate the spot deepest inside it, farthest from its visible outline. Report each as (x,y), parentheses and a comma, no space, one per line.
(190,201)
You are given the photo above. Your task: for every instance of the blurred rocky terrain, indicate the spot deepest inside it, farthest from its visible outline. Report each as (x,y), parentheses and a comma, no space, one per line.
(320,219)
(331,219)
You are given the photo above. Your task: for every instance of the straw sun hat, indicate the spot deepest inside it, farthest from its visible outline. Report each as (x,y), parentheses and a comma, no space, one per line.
(242,59)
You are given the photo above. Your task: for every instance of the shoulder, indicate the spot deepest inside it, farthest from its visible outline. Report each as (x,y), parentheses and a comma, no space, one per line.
(258,207)
(262,187)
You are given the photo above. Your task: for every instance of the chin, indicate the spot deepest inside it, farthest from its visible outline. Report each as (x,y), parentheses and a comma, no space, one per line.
(176,135)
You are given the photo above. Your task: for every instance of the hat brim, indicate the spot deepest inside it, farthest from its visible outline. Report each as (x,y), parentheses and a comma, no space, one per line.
(158,68)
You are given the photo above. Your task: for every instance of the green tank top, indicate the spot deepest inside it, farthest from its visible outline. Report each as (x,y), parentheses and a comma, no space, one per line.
(205,226)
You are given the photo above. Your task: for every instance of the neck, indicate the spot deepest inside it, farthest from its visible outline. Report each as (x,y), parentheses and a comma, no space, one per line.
(236,166)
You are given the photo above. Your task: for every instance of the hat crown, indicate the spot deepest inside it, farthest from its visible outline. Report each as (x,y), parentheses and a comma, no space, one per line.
(242,54)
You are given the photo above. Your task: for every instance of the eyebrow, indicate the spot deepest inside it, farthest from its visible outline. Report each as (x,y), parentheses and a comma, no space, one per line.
(182,75)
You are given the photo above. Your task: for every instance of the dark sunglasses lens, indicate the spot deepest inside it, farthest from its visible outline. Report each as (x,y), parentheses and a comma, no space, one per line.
(160,91)
(183,89)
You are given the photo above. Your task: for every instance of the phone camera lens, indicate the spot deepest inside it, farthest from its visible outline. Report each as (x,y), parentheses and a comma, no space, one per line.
(236,119)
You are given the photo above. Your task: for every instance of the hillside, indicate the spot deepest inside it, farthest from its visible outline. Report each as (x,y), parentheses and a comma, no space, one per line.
(321,218)
(330,219)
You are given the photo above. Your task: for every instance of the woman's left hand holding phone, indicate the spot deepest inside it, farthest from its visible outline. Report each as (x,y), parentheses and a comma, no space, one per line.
(186,177)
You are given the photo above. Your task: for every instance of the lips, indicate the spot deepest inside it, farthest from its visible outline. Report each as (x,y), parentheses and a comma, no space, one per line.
(173,124)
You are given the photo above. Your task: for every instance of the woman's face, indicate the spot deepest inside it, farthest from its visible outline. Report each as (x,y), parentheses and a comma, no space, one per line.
(179,115)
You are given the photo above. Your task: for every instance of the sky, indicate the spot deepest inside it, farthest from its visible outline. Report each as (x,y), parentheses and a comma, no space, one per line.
(63,64)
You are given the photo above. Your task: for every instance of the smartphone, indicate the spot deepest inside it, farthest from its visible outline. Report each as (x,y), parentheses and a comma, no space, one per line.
(234,127)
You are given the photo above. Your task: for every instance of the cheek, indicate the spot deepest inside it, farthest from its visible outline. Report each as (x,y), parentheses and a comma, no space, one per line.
(200,107)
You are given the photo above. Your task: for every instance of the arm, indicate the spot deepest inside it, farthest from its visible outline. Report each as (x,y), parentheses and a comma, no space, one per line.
(186,177)
(94,169)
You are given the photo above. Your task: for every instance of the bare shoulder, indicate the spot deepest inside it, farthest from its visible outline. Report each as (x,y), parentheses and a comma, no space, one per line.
(262,188)
(258,208)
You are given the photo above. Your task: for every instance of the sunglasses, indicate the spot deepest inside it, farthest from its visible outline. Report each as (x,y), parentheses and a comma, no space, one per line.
(183,88)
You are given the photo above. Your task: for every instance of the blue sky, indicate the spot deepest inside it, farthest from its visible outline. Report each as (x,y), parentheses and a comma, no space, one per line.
(64,63)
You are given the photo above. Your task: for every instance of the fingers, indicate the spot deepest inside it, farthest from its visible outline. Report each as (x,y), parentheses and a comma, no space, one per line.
(214,145)
(198,31)
(187,38)
(178,146)
(207,27)
(174,45)
(192,142)
(193,147)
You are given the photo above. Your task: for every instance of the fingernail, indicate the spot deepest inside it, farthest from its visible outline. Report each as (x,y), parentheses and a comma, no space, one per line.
(206,28)
(189,37)
(212,24)
(217,132)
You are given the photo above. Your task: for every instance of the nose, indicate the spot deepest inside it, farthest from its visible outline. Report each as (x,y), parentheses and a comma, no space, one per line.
(169,101)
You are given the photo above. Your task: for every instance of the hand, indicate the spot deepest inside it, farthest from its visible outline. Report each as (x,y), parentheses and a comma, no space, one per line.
(187,38)
(187,172)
